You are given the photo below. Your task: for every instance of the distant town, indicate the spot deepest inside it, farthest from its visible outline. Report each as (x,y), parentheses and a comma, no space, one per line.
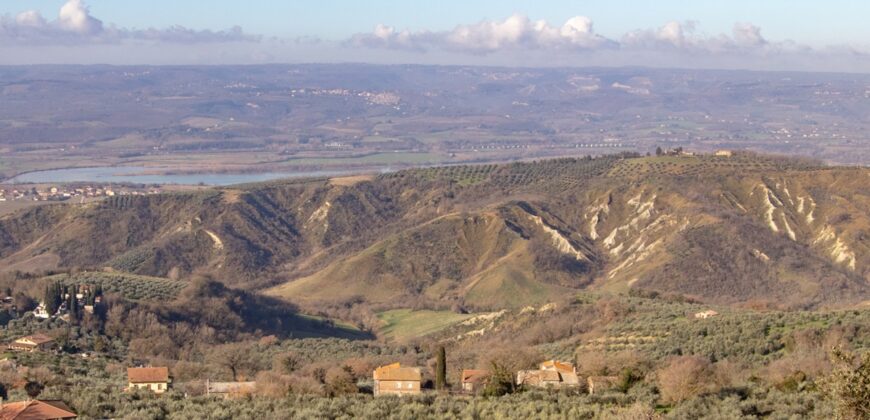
(65,192)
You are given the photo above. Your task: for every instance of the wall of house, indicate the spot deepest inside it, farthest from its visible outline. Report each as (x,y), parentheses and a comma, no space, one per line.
(397,387)
(157,387)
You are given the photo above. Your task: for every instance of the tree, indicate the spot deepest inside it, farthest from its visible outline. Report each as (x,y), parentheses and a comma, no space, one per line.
(849,384)
(340,381)
(100,344)
(501,381)
(72,306)
(33,389)
(684,378)
(234,356)
(441,369)
(319,374)
(659,151)
(23,303)
(289,362)
(53,298)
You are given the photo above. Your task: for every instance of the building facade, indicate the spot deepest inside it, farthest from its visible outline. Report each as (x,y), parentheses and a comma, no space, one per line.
(397,380)
(154,379)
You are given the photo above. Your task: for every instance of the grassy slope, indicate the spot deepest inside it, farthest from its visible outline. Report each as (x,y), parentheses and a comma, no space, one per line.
(340,330)
(404,324)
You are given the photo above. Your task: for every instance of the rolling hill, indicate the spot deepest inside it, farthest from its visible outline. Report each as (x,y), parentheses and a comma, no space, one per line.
(747,229)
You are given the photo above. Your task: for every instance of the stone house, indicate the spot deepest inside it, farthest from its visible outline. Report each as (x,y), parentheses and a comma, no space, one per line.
(397,380)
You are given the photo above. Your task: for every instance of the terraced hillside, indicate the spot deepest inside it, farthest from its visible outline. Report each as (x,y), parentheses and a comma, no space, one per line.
(743,230)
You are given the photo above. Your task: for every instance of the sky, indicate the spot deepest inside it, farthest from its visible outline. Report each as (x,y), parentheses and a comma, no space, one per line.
(810,35)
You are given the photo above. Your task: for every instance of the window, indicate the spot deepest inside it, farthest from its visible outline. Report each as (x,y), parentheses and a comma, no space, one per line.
(398,384)
(410,385)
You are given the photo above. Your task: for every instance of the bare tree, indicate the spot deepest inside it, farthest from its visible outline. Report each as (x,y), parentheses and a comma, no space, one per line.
(685,377)
(234,356)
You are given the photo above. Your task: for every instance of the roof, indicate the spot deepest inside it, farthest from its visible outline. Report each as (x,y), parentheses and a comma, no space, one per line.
(474,375)
(557,366)
(36,410)
(230,387)
(395,372)
(532,376)
(35,339)
(148,375)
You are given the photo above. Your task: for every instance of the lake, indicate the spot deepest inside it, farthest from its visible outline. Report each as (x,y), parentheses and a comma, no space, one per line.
(139,175)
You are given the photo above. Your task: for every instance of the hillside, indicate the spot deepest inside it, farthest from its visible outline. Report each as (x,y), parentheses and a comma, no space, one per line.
(743,230)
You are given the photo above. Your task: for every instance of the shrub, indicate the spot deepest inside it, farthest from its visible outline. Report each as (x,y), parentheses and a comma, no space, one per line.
(685,377)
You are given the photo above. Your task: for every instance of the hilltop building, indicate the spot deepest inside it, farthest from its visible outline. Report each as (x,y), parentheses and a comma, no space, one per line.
(550,374)
(155,379)
(397,380)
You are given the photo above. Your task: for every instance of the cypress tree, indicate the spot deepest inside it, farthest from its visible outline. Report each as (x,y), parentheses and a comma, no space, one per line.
(52,298)
(441,369)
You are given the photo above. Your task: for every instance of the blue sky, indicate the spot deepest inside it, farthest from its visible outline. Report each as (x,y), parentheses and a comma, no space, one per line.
(812,22)
(813,35)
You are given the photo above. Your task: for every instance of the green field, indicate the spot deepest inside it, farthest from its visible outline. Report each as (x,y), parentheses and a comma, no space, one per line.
(341,329)
(404,324)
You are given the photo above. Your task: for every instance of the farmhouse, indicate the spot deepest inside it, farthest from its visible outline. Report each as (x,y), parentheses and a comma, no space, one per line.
(155,379)
(36,410)
(229,389)
(397,380)
(474,380)
(724,153)
(32,343)
(550,374)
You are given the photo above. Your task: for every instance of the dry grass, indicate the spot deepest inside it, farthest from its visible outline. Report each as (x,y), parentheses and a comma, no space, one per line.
(348,181)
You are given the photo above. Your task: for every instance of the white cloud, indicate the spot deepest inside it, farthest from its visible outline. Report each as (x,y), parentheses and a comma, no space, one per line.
(30,18)
(671,35)
(748,34)
(515,32)
(75,16)
(577,35)
(75,25)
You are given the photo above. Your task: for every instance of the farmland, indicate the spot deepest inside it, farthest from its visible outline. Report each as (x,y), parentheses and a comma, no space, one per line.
(289,119)
(403,324)
(130,286)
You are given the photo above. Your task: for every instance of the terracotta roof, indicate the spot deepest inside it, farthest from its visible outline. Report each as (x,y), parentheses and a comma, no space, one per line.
(147,375)
(557,366)
(395,372)
(36,410)
(474,375)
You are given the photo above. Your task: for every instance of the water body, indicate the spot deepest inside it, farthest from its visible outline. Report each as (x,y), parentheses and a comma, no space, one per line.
(139,175)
